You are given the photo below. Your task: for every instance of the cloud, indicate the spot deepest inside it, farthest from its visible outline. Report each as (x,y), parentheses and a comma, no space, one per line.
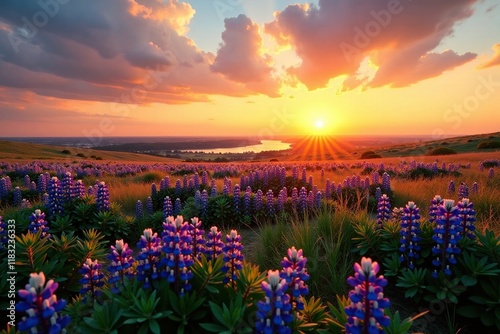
(400,38)
(495,60)
(132,51)
(240,57)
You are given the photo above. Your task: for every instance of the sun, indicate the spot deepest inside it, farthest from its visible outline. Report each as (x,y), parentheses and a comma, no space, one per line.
(320,124)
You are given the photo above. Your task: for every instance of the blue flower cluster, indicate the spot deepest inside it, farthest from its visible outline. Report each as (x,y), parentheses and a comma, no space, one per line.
(295,273)
(102,199)
(121,259)
(232,257)
(92,278)
(38,223)
(383,209)
(410,235)
(148,257)
(467,216)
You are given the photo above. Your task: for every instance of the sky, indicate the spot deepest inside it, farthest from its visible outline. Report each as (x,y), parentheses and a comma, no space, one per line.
(254,68)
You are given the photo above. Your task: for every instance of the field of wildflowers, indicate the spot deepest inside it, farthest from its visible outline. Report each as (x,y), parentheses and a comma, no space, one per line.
(175,259)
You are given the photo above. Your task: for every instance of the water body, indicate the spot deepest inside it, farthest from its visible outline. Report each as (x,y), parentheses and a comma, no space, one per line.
(265,145)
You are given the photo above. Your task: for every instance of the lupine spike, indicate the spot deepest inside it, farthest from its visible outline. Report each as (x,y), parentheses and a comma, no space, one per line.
(436,202)
(214,243)
(92,279)
(383,210)
(148,258)
(366,312)
(38,222)
(121,259)
(102,199)
(410,235)
(467,216)
(295,273)
(198,241)
(41,307)
(233,257)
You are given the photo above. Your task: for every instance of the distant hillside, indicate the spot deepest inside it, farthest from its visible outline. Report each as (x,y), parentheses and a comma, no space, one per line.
(28,151)
(463,144)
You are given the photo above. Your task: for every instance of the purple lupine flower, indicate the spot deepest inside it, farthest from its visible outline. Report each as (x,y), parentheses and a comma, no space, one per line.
(197,198)
(198,241)
(475,188)
(366,312)
(177,207)
(328,189)
(274,314)
(467,216)
(233,257)
(258,200)
(92,278)
(247,203)
(168,209)
(304,176)
(196,181)
(55,197)
(121,259)
(303,200)
(310,181)
(184,181)
(153,188)
(204,203)
(139,210)
(383,210)
(270,203)
(18,197)
(378,193)
(46,199)
(410,235)
(41,185)
(178,187)
(280,204)
(491,173)
(25,203)
(463,191)
(386,182)
(177,248)
(26,181)
(149,205)
(3,234)
(204,178)
(295,198)
(102,199)
(90,191)
(225,190)
(148,257)
(295,273)
(38,223)
(436,202)
(447,234)
(41,307)
(375,177)
(214,243)
(236,199)
(67,187)
(213,192)
(79,189)
(317,199)
(451,187)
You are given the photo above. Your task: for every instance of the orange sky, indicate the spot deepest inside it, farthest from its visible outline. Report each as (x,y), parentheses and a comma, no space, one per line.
(160,68)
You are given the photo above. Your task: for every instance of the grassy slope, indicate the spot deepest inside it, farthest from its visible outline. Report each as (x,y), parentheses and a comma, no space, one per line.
(29,151)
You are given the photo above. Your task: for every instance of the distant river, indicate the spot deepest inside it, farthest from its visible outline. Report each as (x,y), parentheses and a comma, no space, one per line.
(265,145)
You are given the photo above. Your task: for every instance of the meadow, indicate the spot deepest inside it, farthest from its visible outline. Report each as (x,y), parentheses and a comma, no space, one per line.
(277,247)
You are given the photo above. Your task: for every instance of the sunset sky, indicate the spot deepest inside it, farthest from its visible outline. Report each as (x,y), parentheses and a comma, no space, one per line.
(257,68)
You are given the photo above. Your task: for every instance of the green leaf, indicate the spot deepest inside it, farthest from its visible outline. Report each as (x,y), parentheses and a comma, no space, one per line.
(154,326)
(213,327)
(469,311)
(441,294)
(469,280)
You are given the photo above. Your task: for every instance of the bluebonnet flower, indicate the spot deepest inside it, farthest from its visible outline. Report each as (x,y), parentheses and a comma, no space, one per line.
(214,243)
(410,234)
(55,197)
(366,312)
(177,248)
(317,199)
(149,205)
(121,259)
(236,199)
(177,207)
(270,203)
(280,203)
(304,176)
(447,234)
(383,210)
(148,257)
(27,181)
(247,203)
(198,241)
(18,197)
(463,191)
(197,199)
(467,216)
(213,192)
(38,222)
(434,210)
(196,181)
(79,189)
(153,187)
(102,199)
(295,273)
(168,209)
(41,307)
(139,210)
(451,187)
(67,187)
(274,313)
(233,257)
(178,187)
(184,181)
(204,178)
(92,278)
(491,173)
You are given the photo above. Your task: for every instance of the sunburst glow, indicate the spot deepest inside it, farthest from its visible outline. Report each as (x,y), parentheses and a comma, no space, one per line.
(319,124)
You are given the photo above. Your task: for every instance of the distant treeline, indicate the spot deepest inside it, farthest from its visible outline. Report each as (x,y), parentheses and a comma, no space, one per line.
(180,146)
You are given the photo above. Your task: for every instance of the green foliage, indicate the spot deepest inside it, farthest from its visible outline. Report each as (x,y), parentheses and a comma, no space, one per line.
(413,282)
(485,303)
(31,255)
(488,145)
(61,224)
(105,319)
(186,309)
(441,151)
(144,313)
(228,319)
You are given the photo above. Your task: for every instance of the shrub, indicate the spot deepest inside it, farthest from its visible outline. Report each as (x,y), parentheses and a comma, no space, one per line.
(441,151)
(488,145)
(66,152)
(370,155)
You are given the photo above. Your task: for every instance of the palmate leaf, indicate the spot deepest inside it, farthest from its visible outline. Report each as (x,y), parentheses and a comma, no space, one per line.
(368,237)
(249,283)
(207,275)
(31,254)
